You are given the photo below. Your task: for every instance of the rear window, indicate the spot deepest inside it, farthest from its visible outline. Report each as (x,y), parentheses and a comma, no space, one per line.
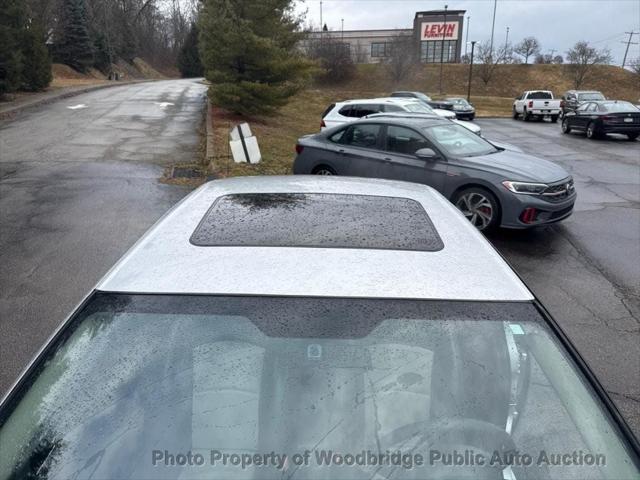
(317,220)
(246,386)
(540,96)
(618,107)
(329,108)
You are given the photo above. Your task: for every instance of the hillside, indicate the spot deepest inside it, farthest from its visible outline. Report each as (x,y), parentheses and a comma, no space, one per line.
(508,81)
(65,76)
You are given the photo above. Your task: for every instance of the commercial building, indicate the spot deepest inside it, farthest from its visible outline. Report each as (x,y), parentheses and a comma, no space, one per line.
(437,33)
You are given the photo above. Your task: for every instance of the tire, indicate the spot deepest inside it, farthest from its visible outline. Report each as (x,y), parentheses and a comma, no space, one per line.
(632,136)
(515,114)
(323,170)
(565,126)
(527,116)
(592,133)
(480,207)
(554,118)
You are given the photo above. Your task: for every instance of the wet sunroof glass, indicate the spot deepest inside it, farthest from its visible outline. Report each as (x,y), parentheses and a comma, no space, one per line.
(317,220)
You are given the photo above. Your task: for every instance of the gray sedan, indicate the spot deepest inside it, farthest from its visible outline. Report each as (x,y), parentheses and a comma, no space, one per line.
(490,185)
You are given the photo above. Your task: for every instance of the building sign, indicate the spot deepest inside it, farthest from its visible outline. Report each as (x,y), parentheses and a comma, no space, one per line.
(431,31)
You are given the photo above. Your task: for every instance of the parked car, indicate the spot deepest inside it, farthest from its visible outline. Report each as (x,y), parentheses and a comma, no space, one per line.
(491,186)
(572,99)
(351,110)
(536,104)
(440,104)
(600,118)
(463,109)
(267,317)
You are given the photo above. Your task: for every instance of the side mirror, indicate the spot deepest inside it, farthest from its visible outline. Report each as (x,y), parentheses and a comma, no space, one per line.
(426,154)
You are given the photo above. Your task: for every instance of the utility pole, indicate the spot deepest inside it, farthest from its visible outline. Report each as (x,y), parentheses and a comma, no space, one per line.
(631,34)
(321,24)
(493,26)
(342,20)
(506,40)
(473,46)
(466,40)
(444,32)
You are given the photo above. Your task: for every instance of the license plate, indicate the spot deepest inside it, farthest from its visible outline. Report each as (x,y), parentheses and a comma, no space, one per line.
(628,120)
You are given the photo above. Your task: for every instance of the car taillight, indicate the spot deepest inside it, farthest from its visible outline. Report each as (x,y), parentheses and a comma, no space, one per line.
(529,215)
(322,124)
(606,118)
(299,149)
(530,103)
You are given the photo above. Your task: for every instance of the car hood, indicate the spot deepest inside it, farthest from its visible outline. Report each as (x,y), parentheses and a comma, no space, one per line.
(520,167)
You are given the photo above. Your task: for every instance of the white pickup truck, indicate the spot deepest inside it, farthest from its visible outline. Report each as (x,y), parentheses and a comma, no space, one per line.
(538,104)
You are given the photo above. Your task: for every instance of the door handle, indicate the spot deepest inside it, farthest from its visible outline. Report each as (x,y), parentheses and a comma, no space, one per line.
(341,151)
(387,160)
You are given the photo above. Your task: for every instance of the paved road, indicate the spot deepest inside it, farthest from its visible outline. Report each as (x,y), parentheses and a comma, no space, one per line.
(77,188)
(586,270)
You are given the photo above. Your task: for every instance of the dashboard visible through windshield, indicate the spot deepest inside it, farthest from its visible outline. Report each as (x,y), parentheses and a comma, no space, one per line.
(458,141)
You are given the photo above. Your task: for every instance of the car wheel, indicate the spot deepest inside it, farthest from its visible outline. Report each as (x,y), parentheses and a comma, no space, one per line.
(554,118)
(632,136)
(591,131)
(565,126)
(527,116)
(323,170)
(480,207)
(515,114)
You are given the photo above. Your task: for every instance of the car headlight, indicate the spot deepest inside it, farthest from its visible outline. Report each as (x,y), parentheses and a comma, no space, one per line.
(525,188)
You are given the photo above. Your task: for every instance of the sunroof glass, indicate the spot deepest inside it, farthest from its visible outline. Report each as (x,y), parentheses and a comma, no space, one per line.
(319,220)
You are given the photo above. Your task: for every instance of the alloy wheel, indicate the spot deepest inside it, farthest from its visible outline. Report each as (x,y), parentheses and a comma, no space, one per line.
(324,171)
(477,208)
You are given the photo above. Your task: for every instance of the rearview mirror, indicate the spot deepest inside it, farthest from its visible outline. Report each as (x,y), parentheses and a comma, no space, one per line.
(426,154)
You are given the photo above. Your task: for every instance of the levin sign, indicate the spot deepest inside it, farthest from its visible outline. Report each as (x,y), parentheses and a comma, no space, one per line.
(431,31)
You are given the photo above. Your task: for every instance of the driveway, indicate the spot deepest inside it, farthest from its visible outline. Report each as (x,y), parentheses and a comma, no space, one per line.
(78,186)
(586,270)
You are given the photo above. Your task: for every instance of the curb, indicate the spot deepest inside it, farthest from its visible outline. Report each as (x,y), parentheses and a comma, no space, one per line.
(209,149)
(12,112)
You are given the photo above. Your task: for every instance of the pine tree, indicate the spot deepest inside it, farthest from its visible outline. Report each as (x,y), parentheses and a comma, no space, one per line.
(36,68)
(74,48)
(189,62)
(12,21)
(248,50)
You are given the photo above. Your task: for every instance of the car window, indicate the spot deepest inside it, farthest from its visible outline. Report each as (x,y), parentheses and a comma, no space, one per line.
(458,141)
(404,140)
(346,110)
(617,107)
(337,136)
(417,107)
(368,109)
(592,107)
(391,108)
(583,107)
(540,96)
(590,96)
(256,375)
(363,135)
(328,109)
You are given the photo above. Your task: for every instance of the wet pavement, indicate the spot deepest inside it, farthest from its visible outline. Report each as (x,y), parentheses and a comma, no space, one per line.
(78,186)
(586,270)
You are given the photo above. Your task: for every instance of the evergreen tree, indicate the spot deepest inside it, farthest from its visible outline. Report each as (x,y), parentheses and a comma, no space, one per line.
(189,62)
(248,50)
(74,48)
(12,21)
(36,68)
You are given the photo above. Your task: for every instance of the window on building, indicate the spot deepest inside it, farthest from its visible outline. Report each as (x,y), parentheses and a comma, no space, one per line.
(432,51)
(380,49)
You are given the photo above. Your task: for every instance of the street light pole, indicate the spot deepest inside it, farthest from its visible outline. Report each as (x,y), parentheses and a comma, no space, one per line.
(493,26)
(442,47)
(466,41)
(473,46)
(342,20)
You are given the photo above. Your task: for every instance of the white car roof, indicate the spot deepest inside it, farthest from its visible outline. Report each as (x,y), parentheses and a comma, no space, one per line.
(165,261)
(367,101)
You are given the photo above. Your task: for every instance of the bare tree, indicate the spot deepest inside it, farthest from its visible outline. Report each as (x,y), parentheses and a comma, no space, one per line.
(582,57)
(488,60)
(558,59)
(528,47)
(333,57)
(635,65)
(402,57)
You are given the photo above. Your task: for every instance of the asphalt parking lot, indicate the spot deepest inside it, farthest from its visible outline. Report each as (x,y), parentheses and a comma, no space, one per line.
(78,194)
(586,270)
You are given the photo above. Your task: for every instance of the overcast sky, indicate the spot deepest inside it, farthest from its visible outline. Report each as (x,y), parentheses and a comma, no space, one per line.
(558,24)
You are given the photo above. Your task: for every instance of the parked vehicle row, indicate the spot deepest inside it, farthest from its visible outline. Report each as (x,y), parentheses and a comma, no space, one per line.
(462,109)
(492,186)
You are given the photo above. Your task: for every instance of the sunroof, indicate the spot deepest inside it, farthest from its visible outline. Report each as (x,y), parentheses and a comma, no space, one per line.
(317,220)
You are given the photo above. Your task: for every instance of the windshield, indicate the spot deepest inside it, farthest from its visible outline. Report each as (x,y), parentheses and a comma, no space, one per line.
(618,107)
(183,387)
(418,107)
(458,141)
(458,101)
(583,97)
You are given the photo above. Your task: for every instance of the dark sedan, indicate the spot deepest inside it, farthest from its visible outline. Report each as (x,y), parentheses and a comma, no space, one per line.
(440,104)
(463,109)
(603,117)
(490,185)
